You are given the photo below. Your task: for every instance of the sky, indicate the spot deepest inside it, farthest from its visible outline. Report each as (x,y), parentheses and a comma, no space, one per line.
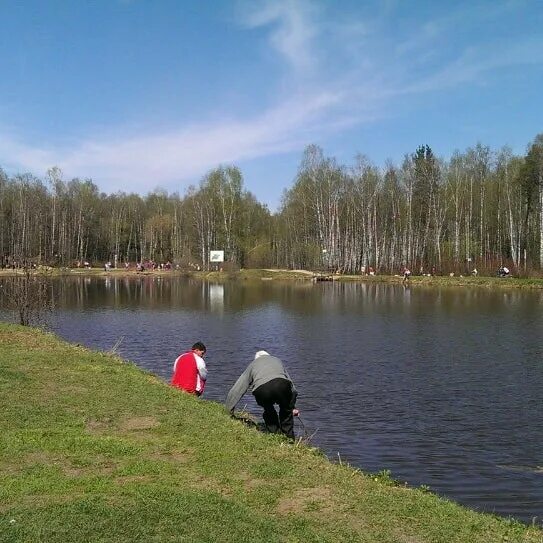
(144,94)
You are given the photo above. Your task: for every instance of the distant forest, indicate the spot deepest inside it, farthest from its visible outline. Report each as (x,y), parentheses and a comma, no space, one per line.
(479,209)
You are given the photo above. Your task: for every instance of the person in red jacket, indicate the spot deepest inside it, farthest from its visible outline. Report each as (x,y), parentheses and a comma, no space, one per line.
(189,370)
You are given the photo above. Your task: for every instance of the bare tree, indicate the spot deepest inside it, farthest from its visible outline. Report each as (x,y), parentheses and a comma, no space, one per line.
(29,295)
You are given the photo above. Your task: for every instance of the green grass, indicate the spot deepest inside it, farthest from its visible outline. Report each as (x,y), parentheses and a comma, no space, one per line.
(94,449)
(488,282)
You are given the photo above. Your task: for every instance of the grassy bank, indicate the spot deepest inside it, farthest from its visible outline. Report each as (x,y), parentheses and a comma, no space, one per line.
(257,274)
(416,280)
(93,449)
(445,281)
(302,275)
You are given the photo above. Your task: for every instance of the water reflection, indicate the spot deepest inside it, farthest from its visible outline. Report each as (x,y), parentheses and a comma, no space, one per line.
(216,297)
(443,386)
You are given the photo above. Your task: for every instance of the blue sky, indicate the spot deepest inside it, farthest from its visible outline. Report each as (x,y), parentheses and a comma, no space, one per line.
(139,94)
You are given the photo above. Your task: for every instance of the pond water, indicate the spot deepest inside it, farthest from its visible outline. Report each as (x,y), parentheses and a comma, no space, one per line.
(443,387)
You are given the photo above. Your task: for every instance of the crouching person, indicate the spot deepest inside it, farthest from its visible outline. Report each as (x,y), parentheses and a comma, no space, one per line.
(271,385)
(190,371)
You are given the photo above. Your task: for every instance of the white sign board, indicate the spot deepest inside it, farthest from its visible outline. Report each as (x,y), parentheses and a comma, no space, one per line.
(216,256)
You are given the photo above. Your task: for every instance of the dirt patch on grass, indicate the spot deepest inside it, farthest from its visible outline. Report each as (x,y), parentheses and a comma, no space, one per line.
(40,457)
(37,501)
(208,483)
(401,537)
(100,467)
(94,426)
(174,457)
(315,499)
(127,479)
(28,460)
(76,390)
(132,424)
(136,424)
(250,482)
(103,470)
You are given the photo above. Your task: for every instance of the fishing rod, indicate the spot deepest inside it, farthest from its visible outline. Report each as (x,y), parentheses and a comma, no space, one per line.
(306,435)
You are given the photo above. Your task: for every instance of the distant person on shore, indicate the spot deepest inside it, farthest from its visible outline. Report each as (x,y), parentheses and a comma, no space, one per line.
(190,371)
(271,385)
(406,275)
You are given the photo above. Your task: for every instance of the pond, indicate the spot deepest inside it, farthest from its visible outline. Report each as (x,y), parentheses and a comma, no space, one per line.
(441,386)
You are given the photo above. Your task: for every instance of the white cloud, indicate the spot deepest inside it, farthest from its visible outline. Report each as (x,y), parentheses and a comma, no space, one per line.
(139,163)
(471,17)
(474,62)
(295,28)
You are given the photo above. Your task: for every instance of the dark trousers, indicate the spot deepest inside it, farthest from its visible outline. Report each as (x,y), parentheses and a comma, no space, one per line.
(277,391)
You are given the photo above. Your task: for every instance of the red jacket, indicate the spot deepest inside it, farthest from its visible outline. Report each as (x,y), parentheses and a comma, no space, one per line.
(190,373)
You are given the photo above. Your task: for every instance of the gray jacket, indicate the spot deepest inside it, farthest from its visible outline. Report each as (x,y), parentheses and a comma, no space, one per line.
(259,371)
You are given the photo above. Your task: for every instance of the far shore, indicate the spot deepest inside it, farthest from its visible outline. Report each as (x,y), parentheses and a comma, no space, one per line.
(298,275)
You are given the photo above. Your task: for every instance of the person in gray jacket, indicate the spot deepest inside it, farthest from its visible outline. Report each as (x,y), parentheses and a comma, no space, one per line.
(270,384)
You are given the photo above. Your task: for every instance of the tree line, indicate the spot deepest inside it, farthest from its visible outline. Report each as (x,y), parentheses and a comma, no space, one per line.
(479,209)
